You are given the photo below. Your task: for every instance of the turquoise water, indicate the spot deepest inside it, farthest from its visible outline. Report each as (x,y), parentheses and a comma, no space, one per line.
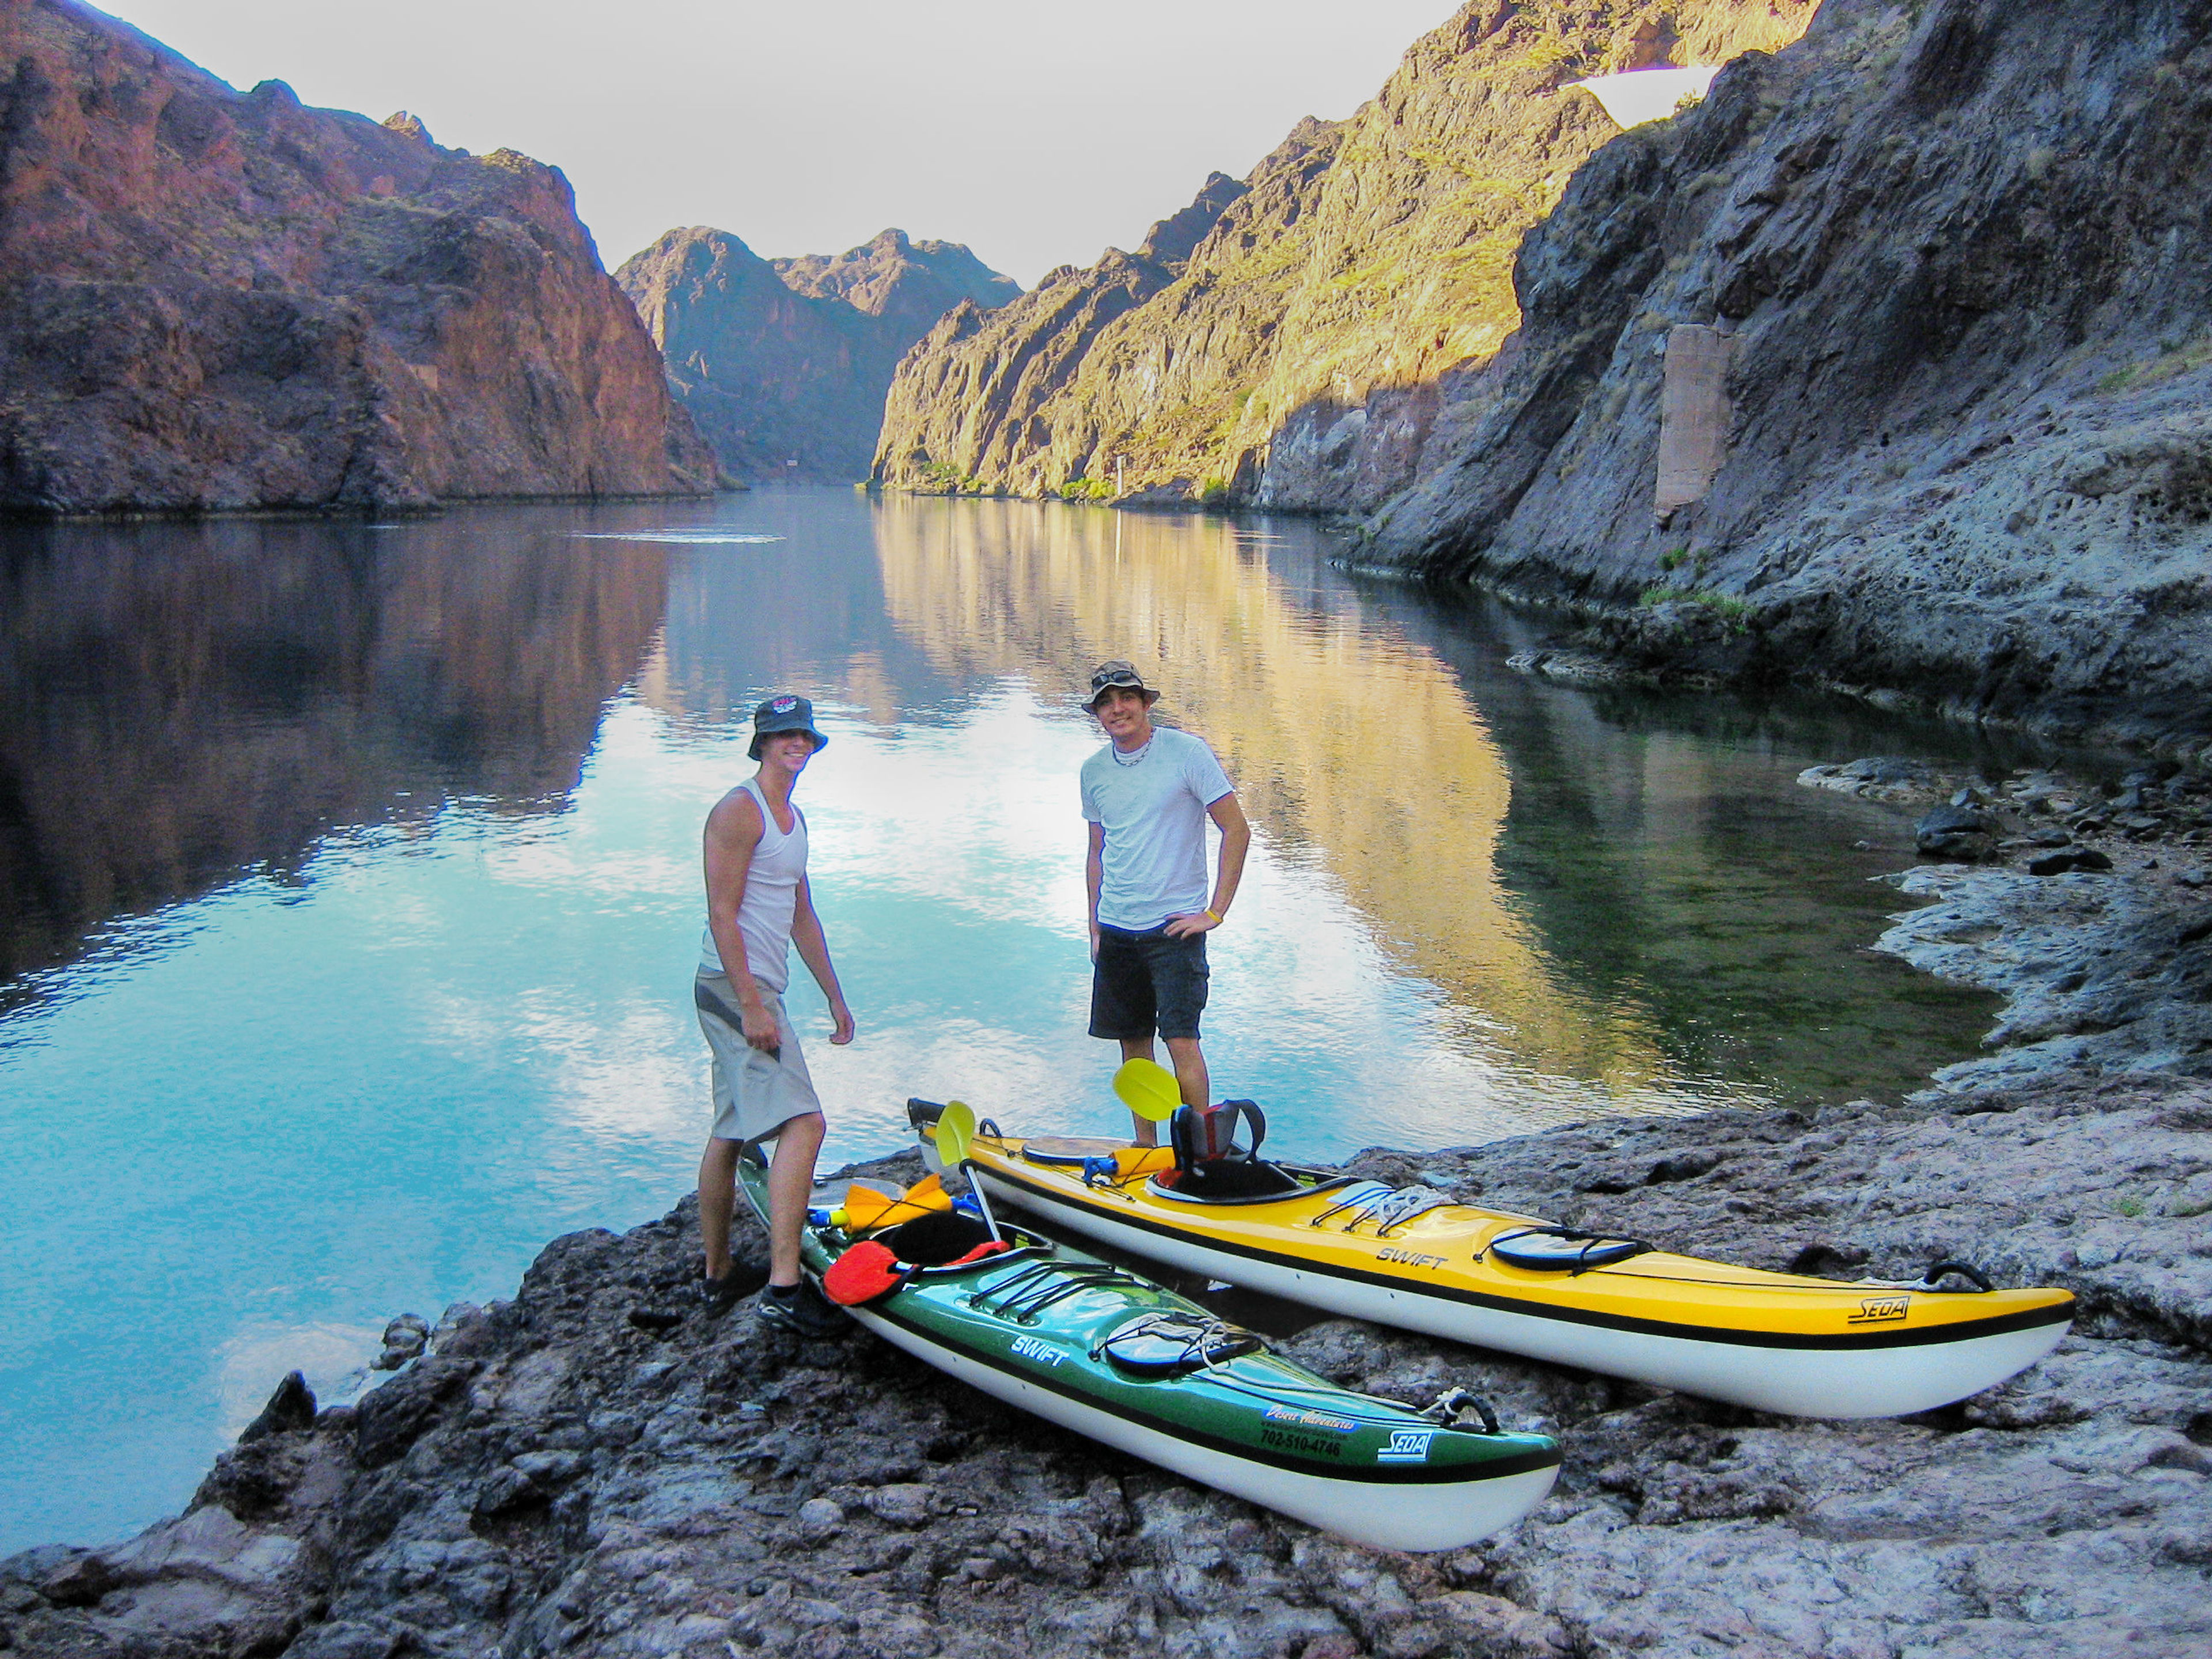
(349,897)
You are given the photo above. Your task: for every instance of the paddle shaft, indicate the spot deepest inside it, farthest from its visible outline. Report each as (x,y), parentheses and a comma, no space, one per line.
(983,1203)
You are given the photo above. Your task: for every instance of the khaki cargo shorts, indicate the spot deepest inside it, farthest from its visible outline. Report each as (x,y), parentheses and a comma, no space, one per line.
(756,1093)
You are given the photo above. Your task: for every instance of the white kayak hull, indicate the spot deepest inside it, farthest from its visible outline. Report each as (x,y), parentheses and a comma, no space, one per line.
(1389,1516)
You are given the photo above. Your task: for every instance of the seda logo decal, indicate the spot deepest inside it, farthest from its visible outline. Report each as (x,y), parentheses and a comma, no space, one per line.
(783,705)
(1881,1309)
(1406,1446)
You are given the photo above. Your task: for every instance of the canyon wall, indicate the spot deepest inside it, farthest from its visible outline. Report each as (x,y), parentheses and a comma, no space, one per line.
(1287,340)
(1882,367)
(1955,257)
(212,300)
(784,362)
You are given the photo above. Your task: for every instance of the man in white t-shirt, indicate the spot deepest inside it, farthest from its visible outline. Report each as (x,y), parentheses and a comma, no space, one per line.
(1148,795)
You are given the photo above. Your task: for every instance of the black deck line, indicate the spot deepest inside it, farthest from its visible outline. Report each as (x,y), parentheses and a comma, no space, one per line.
(1849,1342)
(1397,1475)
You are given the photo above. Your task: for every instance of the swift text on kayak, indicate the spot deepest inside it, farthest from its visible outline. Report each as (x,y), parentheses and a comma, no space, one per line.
(1407,1258)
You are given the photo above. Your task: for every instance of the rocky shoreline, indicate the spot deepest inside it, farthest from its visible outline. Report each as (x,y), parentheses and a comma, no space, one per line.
(597,1466)
(2085,903)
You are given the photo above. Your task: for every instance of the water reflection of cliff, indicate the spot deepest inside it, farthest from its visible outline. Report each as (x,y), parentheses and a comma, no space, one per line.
(804,614)
(178,703)
(1662,849)
(1349,746)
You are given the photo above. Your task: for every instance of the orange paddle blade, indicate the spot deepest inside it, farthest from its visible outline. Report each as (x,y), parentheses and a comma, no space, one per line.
(864,1272)
(867,1212)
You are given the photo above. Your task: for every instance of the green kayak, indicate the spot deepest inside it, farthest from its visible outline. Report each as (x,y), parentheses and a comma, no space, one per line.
(1096,1349)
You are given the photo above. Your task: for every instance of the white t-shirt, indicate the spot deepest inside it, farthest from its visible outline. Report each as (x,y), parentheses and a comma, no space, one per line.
(1155,817)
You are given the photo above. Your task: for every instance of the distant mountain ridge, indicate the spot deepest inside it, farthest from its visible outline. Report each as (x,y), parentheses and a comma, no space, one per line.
(783,363)
(212,300)
(1285,340)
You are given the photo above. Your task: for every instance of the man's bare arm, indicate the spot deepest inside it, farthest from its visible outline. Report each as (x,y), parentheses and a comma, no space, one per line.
(813,948)
(1236,842)
(1093,876)
(733,836)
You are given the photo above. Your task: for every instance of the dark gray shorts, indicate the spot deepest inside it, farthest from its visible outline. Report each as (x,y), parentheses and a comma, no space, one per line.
(1144,983)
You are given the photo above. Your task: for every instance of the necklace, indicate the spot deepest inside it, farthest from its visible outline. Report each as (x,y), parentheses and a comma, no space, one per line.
(1120,759)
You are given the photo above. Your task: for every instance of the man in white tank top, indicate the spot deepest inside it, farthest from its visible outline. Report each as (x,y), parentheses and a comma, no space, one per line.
(758,905)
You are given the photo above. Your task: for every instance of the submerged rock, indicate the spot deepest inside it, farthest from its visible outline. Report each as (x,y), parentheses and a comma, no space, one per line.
(2099,944)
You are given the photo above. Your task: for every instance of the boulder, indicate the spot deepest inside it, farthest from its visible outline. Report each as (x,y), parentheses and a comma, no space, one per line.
(290,1409)
(1960,833)
(2071,859)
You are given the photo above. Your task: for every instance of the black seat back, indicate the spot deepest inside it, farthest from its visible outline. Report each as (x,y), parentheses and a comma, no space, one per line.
(1210,1137)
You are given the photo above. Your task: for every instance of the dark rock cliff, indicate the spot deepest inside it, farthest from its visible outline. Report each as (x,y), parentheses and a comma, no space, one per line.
(1957,255)
(1284,340)
(212,300)
(783,362)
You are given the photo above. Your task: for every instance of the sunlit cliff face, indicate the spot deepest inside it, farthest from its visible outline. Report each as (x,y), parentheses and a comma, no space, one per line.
(1350,749)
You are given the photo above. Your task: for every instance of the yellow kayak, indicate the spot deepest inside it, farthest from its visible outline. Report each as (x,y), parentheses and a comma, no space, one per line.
(1778,1342)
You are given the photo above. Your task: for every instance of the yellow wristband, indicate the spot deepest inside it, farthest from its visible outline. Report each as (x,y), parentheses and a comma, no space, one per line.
(1218,917)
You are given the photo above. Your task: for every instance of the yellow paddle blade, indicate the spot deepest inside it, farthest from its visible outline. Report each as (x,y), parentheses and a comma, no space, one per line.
(1148,1089)
(867,1211)
(955,1129)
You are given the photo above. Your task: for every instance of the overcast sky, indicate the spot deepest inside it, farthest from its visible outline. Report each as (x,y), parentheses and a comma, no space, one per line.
(1037,131)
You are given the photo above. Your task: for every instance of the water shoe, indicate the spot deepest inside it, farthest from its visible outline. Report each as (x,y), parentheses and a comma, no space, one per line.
(720,1295)
(800,1309)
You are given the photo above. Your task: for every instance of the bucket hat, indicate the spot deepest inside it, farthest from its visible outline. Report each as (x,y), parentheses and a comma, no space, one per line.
(784,713)
(1118,676)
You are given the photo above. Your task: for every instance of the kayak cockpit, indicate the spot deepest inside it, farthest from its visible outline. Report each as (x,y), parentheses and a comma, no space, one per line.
(1211,1166)
(1172,1342)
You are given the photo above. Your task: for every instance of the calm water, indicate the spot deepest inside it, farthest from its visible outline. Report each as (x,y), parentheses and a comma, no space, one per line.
(349,897)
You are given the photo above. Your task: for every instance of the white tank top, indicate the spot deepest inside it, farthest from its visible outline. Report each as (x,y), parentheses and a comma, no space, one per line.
(771,895)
